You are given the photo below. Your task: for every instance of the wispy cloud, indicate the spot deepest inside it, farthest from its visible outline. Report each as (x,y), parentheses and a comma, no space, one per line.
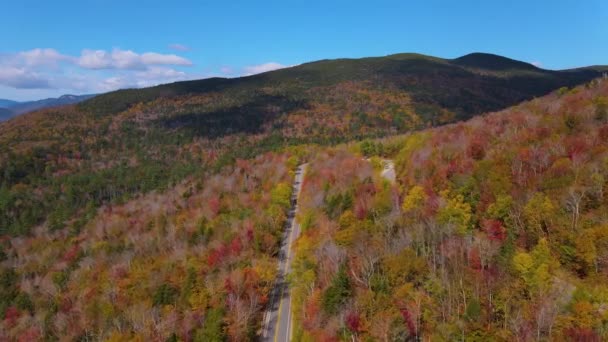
(537,64)
(144,78)
(95,70)
(45,68)
(38,57)
(179,47)
(21,78)
(260,68)
(127,59)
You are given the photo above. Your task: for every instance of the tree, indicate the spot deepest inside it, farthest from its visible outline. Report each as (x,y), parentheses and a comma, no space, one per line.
(585,248)
(573,204)
(213,327)
(405,267)
(455,212)
(165,294)
(538,213)
(369,148)
(535,268)
(500,209)
(280,195)
(601,108)
(337,293)
(415,199)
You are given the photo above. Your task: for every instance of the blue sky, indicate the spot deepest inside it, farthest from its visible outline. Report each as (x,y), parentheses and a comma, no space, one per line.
(49,48)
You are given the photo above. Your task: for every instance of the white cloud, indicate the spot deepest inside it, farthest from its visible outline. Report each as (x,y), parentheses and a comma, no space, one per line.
(39,57)
(140,79)
(94,59)
(127,59)
(114,83)
(153,58)
(157,75)
(260,68)
(47,71)
(537,64)
(92,71)
(21,78)
(179,47)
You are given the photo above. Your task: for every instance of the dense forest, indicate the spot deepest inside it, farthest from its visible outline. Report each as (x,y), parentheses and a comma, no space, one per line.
(194,262)
(61,163)
(156,214)
(495,230)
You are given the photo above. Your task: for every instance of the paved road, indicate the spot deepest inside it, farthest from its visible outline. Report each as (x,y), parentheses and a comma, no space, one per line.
(277,319)
(388,170)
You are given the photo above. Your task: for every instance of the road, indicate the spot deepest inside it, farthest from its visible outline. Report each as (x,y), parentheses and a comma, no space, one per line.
(277,319)
(388,170)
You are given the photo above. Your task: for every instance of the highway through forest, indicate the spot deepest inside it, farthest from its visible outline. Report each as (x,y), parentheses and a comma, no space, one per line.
(277,319)
(278,325)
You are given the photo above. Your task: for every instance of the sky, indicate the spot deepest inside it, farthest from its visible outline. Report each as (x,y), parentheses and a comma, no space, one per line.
(50,48)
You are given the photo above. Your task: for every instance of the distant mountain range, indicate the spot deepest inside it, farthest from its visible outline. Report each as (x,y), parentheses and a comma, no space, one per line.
(7,103)
(10,108)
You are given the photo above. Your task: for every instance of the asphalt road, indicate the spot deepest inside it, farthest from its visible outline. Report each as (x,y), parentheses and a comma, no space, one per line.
(277,319)
(388,170)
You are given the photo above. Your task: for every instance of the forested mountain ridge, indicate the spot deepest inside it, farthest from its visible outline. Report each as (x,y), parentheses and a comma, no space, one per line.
(494,81)
(56,162)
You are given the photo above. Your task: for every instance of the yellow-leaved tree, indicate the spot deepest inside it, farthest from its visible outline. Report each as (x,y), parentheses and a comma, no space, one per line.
(455,212)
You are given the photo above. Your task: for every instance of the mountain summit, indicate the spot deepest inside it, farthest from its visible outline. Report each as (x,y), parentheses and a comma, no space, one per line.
(492,62)
(468,85)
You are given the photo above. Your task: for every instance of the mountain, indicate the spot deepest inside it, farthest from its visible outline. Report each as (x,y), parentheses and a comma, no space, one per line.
(125,226)
(12,108)
(120,144)
(28,106)
(499,216)
(485,61)
(5,114)
(465,86)
(4,103)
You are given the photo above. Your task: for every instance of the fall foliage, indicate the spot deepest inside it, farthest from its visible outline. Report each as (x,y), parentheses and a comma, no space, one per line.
(156,214)
(497,231)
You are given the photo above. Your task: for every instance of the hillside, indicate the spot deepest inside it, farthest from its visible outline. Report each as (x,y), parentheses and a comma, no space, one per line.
(156,214)
(58,161)
(196,261)
(5,114)
(495,231)
(464,86)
